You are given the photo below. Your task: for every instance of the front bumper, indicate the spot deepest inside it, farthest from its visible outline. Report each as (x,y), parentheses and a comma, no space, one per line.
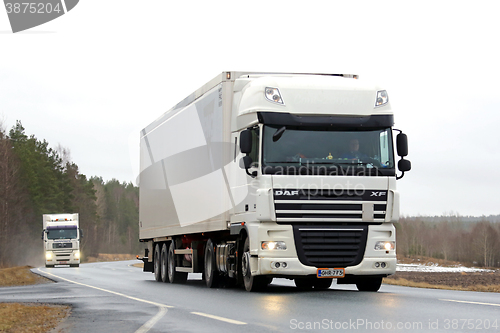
(286,263)
(293,267)
(62,258)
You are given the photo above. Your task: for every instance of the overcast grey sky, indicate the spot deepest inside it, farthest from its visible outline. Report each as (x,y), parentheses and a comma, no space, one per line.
(93,78)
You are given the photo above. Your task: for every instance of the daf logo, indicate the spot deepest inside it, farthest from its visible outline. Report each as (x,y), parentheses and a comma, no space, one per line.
(378,194)
(281,192)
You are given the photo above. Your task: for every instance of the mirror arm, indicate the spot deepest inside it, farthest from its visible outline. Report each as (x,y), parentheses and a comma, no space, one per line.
(253,174)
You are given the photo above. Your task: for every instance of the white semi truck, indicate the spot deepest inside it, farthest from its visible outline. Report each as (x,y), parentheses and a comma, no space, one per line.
(61,236)
(263,175)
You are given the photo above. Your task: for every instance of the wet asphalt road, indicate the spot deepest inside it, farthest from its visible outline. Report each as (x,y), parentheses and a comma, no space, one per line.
(116,297)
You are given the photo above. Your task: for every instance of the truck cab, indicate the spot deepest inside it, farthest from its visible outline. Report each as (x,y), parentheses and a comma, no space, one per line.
(61,235)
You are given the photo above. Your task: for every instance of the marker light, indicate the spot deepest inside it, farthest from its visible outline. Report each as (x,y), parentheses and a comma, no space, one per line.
(385,246)
(269,245)
(273,94)
(382,98)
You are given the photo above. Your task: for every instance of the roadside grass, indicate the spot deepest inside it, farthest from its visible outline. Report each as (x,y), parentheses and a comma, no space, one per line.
(108,257)
(20,276)
(408,283)
(27,318)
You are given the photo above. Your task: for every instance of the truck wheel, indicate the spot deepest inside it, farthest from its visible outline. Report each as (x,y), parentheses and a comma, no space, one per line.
(74,265)
(322,284)
(173,276)
(49,266)
(304,284)
(163,263)
(156,267)
(251,282)
(211,273)
(369,284)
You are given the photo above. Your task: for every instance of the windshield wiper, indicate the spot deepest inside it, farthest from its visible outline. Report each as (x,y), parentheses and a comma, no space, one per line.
(277,135)
(296,162)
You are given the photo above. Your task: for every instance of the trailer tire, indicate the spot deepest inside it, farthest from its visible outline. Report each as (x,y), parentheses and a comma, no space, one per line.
(156,263)
(163,263)
(251,282)
(369,284)
(212,277)
(173,275)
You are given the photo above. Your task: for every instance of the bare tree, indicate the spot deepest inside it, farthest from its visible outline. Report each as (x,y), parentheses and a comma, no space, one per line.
(64,153)
(485,239)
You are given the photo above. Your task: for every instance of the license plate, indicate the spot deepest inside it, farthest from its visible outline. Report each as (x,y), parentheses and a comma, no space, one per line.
(63,262)
(330,273)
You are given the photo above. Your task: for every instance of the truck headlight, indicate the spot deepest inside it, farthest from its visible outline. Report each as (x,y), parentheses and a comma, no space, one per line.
(385,246)
(271,245)
(273,95)
(382,98)
(77,254)
(48,255)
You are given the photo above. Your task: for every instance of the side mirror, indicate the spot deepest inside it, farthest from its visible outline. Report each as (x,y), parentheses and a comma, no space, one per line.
(402,148)
(402,144)
(247,161)
(246,141)
(81,233)
(404,165)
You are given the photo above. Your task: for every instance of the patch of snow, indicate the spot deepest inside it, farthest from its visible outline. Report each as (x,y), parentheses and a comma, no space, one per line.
(439,269)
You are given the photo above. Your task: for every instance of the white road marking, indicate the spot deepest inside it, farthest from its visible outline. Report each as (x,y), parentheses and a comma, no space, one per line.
(231,321)
(469,302)
(144,328)
(151,322)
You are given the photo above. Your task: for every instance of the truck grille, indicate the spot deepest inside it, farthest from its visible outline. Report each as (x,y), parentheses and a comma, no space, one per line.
(330,205)
(63,257)
(330,246)
(62,246)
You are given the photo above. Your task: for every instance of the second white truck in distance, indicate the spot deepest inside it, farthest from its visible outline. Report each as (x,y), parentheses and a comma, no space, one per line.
(61,236)
(263,175)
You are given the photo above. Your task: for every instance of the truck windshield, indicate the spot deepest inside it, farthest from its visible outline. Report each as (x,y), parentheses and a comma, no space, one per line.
(61,233)
(325,151)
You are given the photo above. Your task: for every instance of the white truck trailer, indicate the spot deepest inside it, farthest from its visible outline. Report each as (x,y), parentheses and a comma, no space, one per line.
(61,236)
(263,175)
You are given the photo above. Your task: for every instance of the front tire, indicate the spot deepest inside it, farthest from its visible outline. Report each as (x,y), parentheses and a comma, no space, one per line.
(212,277)
(323,284)
(251,282)
(156,263)
(304,284)
(369,284)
